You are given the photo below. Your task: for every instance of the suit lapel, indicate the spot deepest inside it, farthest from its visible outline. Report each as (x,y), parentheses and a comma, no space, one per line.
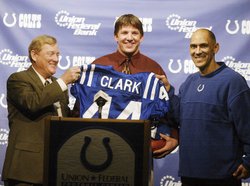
(38,83)
(33,75)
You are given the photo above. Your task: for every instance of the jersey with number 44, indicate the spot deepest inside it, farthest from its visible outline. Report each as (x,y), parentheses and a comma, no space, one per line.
(136,96)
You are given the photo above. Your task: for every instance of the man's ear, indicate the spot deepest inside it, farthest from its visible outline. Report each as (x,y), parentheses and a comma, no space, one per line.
(216,48)
(33,55)
(142,38)
(116,38)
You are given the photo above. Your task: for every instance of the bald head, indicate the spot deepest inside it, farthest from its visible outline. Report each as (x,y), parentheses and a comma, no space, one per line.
(205,32)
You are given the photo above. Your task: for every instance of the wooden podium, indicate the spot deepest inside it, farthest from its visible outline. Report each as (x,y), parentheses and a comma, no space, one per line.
(97,152)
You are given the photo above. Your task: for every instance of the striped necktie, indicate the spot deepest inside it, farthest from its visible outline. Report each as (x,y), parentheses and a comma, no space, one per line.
(46,83)
(126,69)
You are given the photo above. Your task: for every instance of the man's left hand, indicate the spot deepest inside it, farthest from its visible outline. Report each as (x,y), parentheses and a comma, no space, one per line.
(171,144)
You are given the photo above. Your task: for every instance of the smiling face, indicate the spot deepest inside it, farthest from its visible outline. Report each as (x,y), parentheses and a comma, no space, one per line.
(45,61)
(128,33)
(128,39)
(44,55)
(203,48)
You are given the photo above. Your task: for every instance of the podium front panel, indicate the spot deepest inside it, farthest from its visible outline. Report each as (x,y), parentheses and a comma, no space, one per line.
(97,152)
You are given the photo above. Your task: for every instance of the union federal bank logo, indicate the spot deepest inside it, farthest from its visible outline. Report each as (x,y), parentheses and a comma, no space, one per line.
(7,57)
(76,23)
(169,181)
(241,67)
(176,23)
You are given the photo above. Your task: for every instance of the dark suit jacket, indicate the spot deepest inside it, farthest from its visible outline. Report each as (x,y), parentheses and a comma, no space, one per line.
(29,103)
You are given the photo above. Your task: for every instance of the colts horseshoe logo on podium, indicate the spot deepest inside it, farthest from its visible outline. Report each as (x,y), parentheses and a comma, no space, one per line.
(88,164)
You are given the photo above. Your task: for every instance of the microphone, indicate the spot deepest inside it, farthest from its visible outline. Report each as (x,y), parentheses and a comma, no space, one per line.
(154,124)
(100,98)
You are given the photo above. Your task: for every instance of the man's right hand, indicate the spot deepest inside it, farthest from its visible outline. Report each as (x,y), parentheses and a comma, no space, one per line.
(71,75)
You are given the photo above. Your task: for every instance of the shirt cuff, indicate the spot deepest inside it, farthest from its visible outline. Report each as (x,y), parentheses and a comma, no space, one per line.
(62,84)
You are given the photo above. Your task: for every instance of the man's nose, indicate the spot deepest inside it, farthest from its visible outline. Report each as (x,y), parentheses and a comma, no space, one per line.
(130,36)
(198,50)
(55,57)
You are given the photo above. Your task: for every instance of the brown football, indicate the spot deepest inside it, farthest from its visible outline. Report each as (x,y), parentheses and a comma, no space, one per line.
(157,144)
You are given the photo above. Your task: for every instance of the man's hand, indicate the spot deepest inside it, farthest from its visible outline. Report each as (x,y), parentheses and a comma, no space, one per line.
(171,144)
(71,75)
(164,80)
(241,172)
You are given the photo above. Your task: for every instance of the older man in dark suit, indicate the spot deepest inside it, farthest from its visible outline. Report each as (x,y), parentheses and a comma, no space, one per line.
(30,101)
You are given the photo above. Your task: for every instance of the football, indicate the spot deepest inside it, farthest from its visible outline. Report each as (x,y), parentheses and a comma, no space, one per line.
(157,144)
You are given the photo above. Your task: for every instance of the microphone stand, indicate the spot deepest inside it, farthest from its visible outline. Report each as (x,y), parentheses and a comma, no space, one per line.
(100,102)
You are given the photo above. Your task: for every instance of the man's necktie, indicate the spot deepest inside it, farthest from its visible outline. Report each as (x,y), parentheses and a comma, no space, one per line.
(57,104)
(126,69)
(46,83)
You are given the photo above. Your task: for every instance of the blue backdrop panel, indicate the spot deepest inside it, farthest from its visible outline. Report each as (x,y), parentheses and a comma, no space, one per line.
(84,30)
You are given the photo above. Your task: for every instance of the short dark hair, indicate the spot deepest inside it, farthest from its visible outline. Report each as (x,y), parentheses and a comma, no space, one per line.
(128,20)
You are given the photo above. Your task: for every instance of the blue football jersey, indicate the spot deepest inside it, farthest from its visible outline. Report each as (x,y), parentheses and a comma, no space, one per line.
(135,96)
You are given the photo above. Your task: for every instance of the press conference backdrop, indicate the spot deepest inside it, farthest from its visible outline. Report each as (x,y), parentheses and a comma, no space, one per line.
(84,30)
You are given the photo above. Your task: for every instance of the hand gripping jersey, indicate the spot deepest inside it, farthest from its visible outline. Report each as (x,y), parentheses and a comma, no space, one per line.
(136,96)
